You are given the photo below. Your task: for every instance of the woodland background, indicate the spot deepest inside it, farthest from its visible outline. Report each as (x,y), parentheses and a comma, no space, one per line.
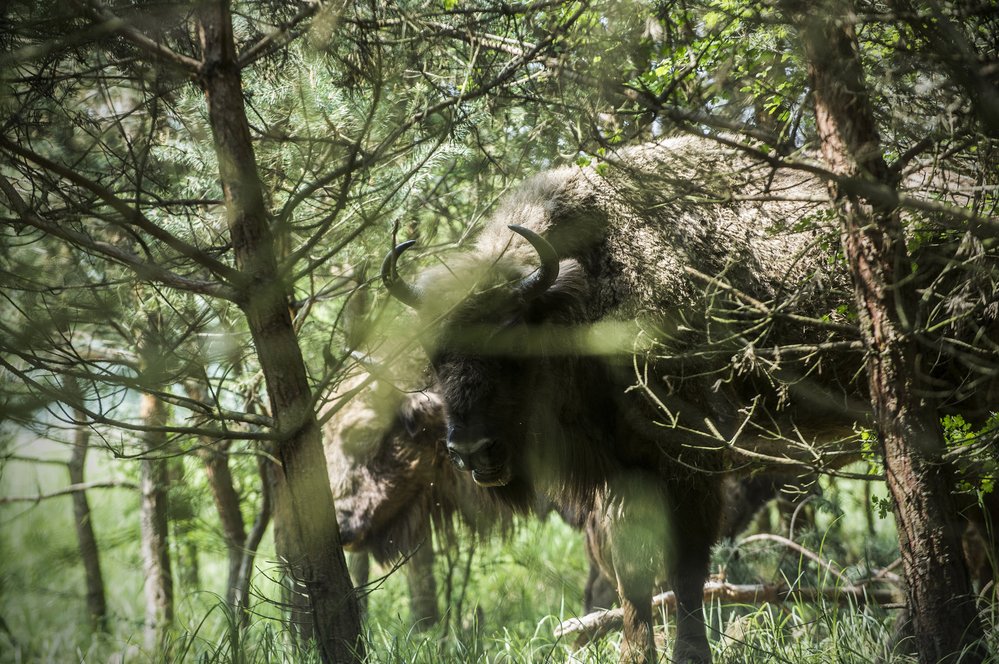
(188,191)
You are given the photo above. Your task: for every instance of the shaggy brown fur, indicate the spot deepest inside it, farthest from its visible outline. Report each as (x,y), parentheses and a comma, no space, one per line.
(538,391)
(392,480)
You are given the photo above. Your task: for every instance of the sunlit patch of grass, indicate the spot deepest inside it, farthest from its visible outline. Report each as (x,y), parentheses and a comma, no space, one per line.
(808,634)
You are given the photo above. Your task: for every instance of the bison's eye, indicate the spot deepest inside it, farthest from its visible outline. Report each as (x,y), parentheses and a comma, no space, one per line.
(360,442)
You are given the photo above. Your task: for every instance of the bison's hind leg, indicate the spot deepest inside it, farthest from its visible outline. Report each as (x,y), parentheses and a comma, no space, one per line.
(638,645)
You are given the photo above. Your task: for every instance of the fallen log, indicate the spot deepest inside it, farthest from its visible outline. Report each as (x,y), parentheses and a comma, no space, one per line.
(597,624)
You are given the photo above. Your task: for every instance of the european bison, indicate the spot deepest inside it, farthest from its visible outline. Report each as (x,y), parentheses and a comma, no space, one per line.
(597,344)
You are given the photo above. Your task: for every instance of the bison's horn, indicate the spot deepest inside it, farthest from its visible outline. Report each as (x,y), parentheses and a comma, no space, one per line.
(398,288)
(545,276)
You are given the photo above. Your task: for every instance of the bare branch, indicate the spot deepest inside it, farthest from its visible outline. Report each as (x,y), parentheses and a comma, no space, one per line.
(24,459)
(791,544)
(71,489)
(158,50)
(130,215)
(762,308)
(279,36)
(694,122)
(531,53)
(144,269)
(100,418)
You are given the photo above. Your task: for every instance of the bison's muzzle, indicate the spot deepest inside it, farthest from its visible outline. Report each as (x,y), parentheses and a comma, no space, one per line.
(350,538)
(481,456)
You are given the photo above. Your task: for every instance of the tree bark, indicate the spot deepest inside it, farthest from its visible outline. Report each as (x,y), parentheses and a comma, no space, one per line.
(154,525)
(89,553)
(185,564)
(315,556)
(240,545)
(906,419)
(293,599)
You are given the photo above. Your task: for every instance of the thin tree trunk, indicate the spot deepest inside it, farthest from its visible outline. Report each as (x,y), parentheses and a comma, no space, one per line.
(315,556)
(869,509)
(216,460)
(256,535)
(154,521)
(939,590)
(89,553)
(240,545)
(185,563)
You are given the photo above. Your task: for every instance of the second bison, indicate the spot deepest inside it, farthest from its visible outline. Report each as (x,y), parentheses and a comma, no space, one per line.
(394,485)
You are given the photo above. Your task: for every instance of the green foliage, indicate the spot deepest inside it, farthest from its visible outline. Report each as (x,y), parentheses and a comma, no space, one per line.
(976,467)
(883,505)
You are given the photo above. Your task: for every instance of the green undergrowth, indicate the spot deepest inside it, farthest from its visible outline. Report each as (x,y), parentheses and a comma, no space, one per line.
(502,598)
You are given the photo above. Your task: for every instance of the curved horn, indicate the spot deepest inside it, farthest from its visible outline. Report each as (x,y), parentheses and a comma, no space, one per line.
(398,288)
(541,280)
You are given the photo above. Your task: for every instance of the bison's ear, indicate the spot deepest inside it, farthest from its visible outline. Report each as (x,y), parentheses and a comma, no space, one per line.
(422,414)
(565,300)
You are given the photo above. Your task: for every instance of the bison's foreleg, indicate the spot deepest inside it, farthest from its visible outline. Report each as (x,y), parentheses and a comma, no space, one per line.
(695,518)
(422,587)
(691,643)
(638,646)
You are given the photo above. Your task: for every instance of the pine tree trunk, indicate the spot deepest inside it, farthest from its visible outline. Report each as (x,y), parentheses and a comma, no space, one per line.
(293,597)
(314,556)
(907,422)
(89,553)
(240,545)
(154,524)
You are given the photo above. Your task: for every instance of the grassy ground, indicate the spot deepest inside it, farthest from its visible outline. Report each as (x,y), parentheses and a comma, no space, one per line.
(503,598)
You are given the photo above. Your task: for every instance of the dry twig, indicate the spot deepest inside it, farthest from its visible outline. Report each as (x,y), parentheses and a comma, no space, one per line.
(597,624)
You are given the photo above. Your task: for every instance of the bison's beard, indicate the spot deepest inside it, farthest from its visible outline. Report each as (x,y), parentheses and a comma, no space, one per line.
(518,494)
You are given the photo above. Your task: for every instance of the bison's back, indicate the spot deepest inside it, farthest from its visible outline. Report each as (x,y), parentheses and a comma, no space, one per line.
(650,223)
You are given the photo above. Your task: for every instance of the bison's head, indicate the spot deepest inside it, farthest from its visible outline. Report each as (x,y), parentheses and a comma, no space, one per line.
(384,452)
(489,320)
